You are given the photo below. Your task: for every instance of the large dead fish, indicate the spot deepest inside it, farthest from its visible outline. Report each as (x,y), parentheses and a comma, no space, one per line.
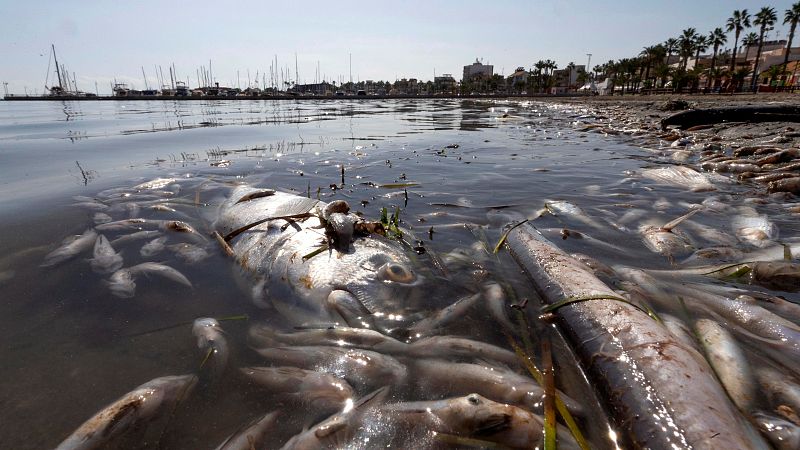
(660,393)
(145,404)
(312,276)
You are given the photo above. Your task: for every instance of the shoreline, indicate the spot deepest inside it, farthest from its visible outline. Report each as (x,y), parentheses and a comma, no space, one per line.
(765,155)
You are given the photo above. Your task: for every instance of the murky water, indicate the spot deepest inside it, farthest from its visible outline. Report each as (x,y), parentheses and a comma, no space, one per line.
(71,347)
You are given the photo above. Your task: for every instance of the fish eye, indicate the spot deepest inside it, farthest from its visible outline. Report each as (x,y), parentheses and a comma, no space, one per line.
(395,272)
(473,399)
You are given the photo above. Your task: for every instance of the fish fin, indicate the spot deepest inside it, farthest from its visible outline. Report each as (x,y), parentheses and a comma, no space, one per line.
(674,223)
(377,396)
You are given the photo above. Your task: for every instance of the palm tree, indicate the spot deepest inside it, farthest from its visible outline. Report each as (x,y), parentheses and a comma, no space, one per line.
(749,41)
(716,39)
(792,16)
(737,22)
(654,56)
(670,45)
(686,44)
(765,18)
(700,45)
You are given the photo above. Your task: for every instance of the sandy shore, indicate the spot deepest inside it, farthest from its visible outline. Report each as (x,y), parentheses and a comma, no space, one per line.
(765,154)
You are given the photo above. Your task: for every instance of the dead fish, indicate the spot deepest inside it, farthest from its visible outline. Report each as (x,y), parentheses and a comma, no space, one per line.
(665,241)
(153,247)
(105,260)
(122,282)
(358,367)
(158,183)
(135,237)
(663,392)
(728,362)
(680,176)
(212,342)
(471,416)
(189,253)
(368,286)
(139,408)
(564,208)
(438,377)
(757,231)
(252,436)
(714,255)
(320,392)
(779,388)
(710,234)
(785,185)
(71,247)
(344,337)
(776,275)
(782,434)
(338,430)
(450,347)
(100,217)
(92,205)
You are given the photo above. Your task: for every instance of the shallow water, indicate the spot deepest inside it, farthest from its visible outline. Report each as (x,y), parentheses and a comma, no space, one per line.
(71,347)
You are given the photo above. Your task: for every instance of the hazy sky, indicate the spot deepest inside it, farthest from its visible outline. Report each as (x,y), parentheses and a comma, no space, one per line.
(105,40)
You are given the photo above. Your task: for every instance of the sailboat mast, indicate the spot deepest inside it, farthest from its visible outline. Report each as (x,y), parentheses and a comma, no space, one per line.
(58,72)
(146,86)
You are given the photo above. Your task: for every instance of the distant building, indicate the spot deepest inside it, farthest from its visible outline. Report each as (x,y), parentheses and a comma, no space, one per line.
(566,79)
(519,76)
(405,87)
(477,71)
(313,88)
(444,83)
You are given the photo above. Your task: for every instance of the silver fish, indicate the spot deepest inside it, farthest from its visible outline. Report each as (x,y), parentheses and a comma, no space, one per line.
(344,337)
(100,217)
(145,404)
(471,416)
(757,231)
(663,240)
(148,234)
(122,282)
(729,363)
(358,367)
(320,392)
(105,260)
(158,183)
(189,253)
(680,176)
(437,377)
(153,247)
(252,436)
(338,430)
(70,248)
(212,342)
(372,279)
